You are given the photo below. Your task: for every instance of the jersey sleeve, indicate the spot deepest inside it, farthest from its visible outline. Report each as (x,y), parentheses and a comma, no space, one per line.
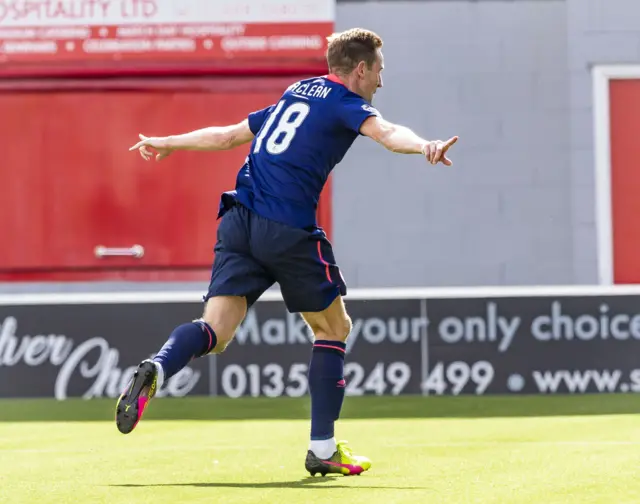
(257,118)
(353,110)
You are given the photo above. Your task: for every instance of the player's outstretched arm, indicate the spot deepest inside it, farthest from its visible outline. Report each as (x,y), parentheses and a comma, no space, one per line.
(207,139)
(402,140)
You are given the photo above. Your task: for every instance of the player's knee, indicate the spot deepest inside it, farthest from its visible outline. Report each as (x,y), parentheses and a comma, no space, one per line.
(341,332)
(224,314)
(223,338)
(348,325)
(224,333)
(222,344)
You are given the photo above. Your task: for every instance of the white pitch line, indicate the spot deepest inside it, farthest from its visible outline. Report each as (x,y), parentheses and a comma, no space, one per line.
(141,449)
(511,443)
(460,444)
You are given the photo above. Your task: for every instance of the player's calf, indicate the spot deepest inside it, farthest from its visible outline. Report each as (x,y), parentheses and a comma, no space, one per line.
(327,387)
(185,343)
(188,341)
(331,328)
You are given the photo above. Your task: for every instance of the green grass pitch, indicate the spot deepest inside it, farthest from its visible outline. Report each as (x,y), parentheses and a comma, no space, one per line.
(441,450)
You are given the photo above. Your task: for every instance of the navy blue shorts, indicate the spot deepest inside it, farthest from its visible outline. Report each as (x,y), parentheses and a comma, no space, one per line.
(252,253)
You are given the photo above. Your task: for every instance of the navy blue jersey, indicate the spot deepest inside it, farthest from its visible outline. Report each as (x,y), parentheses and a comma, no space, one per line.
(298,141)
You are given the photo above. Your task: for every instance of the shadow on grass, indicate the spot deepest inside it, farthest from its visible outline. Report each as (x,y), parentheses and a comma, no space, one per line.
(308,482)
(209,408)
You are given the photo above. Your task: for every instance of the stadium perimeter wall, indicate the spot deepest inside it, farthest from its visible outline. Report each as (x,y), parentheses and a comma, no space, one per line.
(404,341)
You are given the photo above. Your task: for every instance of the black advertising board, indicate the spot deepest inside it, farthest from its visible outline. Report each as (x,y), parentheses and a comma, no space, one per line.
(425,345)
(534,345)
(88,350)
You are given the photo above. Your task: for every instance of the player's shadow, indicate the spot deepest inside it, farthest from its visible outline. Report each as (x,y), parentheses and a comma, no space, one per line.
(308,482)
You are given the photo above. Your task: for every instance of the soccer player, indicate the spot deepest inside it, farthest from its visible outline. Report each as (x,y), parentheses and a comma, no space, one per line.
(268,231)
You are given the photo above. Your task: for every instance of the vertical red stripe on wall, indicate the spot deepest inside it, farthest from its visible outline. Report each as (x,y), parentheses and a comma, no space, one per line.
(624,102)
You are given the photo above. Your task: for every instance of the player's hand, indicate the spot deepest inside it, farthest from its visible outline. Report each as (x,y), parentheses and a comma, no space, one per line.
(436,150)
(159,144)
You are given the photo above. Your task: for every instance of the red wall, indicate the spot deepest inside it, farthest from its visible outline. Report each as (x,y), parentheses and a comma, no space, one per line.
(69,183)
(625,179)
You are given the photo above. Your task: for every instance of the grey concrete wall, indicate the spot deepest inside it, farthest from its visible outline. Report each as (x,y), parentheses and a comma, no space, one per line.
(495,73)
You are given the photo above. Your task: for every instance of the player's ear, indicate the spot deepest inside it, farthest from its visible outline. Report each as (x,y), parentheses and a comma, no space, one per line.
(360,69)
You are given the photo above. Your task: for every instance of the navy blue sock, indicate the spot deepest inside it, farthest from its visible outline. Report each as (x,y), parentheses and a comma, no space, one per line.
(186,342)
(326,384)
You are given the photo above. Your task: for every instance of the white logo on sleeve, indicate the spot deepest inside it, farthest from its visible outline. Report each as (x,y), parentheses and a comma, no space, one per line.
(371,109)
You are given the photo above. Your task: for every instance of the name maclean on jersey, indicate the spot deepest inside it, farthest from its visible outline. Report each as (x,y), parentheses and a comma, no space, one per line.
(311,89)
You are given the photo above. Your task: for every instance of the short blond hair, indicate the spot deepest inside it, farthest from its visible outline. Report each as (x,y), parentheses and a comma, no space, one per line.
(350,47)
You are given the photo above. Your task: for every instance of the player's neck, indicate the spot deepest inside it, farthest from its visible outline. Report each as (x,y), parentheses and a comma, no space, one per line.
(348,81)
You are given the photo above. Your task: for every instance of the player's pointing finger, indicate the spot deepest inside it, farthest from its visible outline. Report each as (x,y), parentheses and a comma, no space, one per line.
(143,141)
(451,141)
